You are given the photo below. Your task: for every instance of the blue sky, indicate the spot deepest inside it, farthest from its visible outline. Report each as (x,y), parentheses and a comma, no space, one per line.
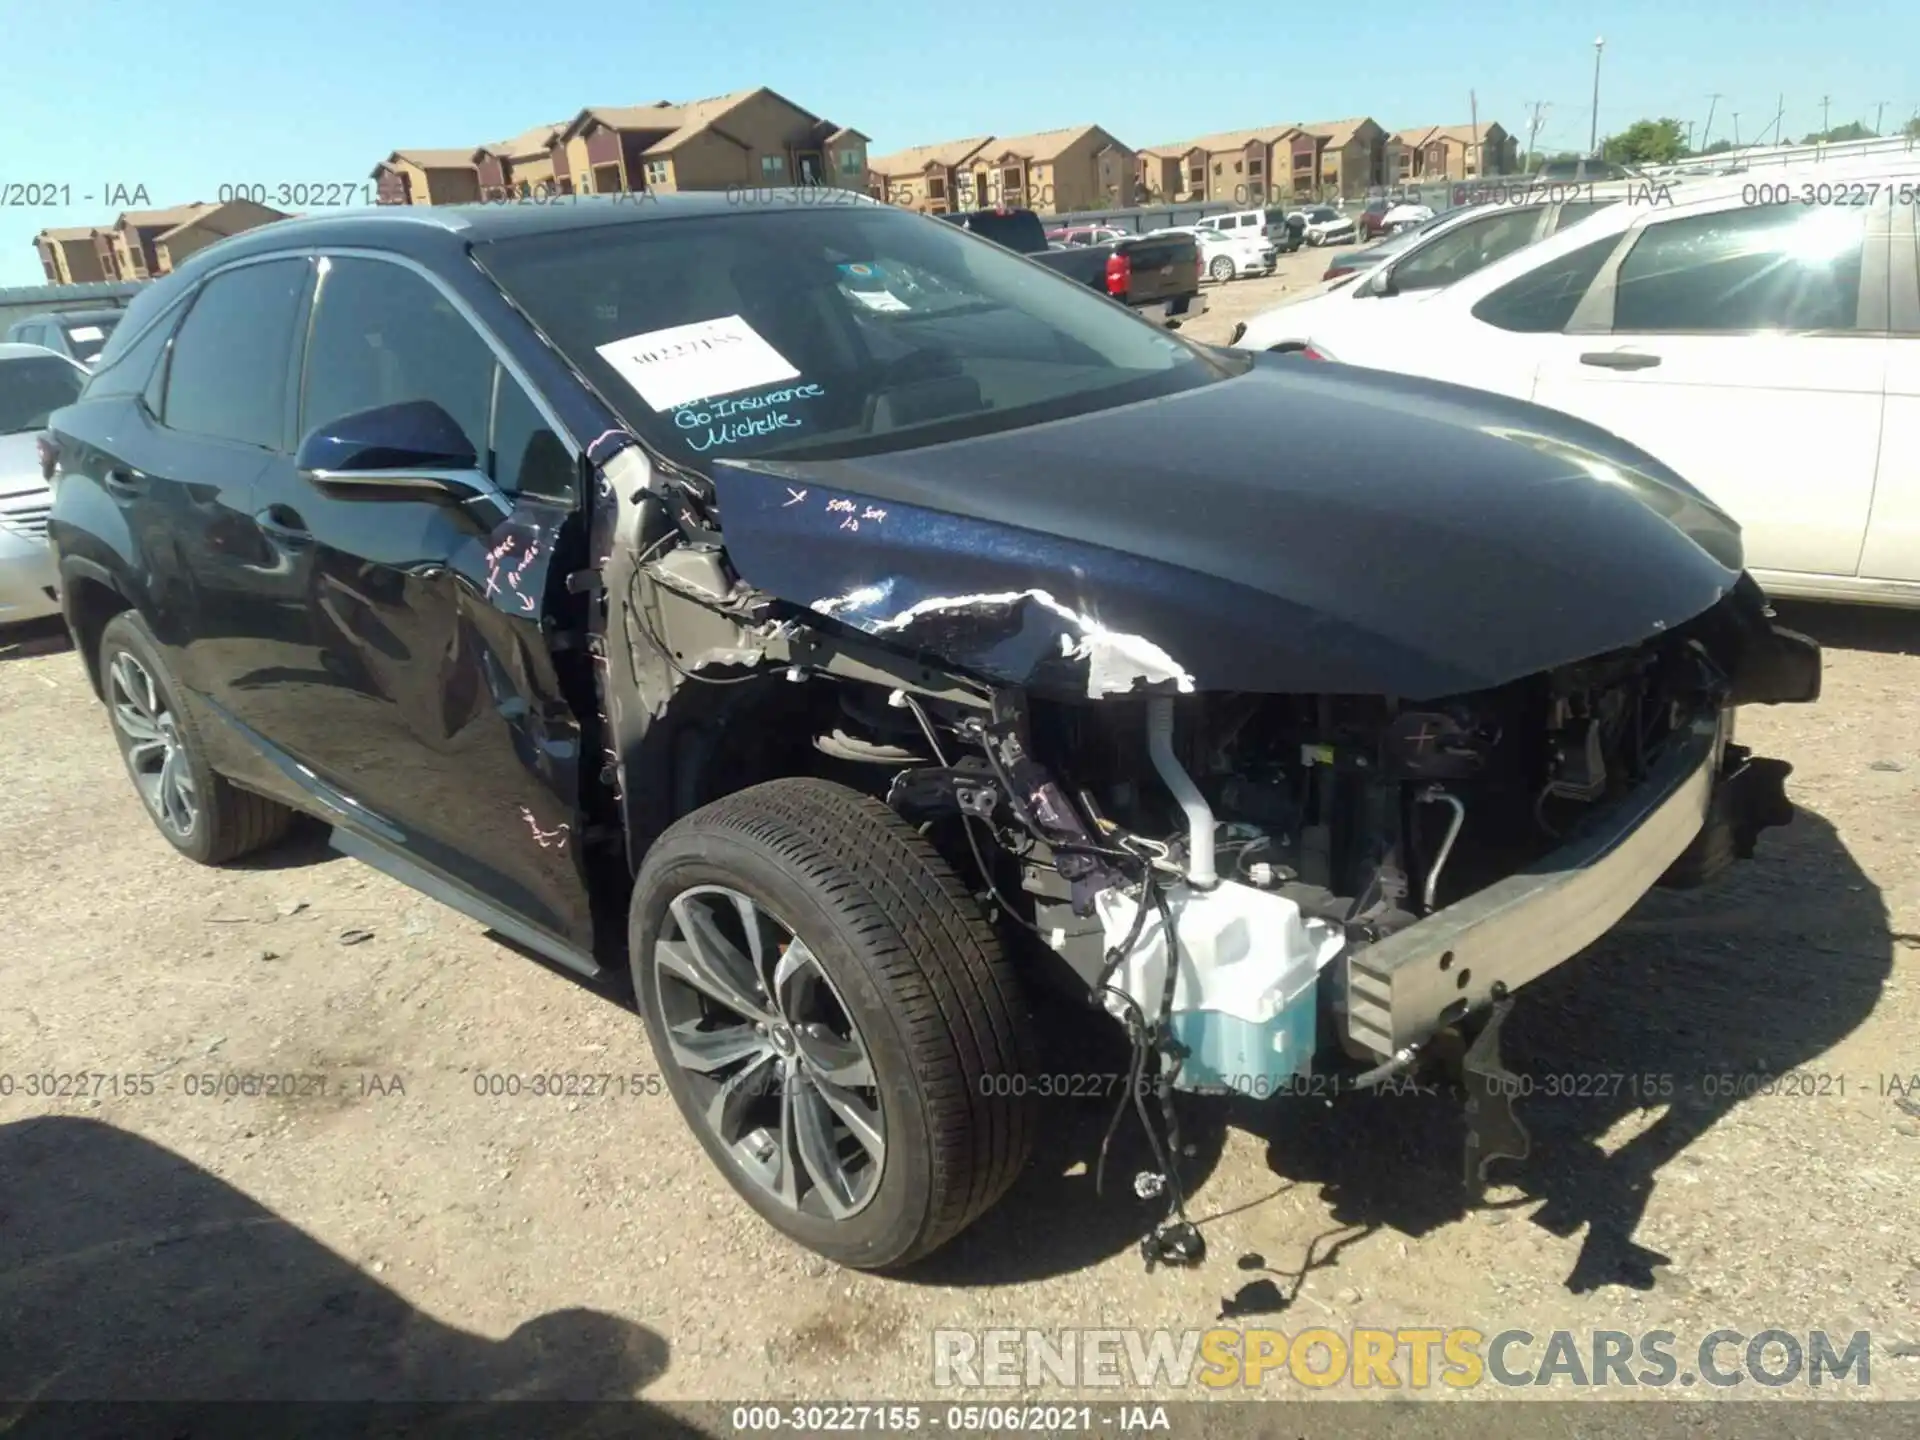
(185,95)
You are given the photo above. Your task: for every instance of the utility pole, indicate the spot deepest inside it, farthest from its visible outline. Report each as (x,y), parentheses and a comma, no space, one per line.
(1593,137)
(1736,129)
(1879,113)
(1779,135)
(1825,105)
(1539,108)
(1689,137)
(1706,135)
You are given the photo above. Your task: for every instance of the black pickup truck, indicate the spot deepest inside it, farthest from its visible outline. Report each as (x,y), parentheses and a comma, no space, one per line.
(1158,275)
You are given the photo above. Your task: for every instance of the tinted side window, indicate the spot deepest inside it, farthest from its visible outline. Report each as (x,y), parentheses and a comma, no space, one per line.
(1545,298)
(1574,211)
(383,335)
(227,375)
(528,457)
(1475,245)
(1787,267)
(132,367)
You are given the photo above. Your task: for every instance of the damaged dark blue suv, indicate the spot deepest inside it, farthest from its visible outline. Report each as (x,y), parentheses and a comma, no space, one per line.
(850,625)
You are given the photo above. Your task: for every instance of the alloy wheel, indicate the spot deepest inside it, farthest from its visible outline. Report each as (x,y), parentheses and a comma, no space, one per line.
(779,1070)
(155,756)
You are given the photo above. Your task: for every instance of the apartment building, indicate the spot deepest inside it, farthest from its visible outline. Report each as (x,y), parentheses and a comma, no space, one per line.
(1235,166)
(521,166)
(1075,167)
(1337,158)
(142,244)
(428,177)
(934,178)
(1282,161)
(748,138)
(68,257)
(1450,152)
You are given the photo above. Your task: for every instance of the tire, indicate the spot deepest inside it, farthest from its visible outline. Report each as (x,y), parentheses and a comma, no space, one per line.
(1315,240)
(202,814)
(895,948)
(1221,270)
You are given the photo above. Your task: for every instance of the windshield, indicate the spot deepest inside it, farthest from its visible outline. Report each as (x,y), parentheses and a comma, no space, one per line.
(87,337)
(829,331)
(32,387)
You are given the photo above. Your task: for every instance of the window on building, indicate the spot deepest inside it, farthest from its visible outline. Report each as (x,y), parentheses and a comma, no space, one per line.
(1216,167)
(936,187)
(851,162)
(1256,167)
(656,172)
(773,167)
(1010,177)
(227,375)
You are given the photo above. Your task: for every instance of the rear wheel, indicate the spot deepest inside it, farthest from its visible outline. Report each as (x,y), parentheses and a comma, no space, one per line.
(835,1019)
(1221,269)
(202,814)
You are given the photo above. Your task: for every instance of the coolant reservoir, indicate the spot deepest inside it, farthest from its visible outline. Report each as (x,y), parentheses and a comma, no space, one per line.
(1244,988)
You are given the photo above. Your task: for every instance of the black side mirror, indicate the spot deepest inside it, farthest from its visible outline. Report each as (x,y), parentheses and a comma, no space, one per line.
(413,435)
(409,451)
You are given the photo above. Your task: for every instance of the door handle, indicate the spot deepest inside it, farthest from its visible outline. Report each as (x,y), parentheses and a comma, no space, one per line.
(1620,359)
(125,483)
(284,526)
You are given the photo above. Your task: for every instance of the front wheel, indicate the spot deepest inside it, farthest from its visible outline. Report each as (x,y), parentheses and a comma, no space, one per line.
(1221,270)
(834,1018)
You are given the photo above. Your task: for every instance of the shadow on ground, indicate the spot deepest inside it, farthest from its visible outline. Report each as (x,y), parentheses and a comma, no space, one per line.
(1878,629)
(129,1274)
(34,638)
(1757,974)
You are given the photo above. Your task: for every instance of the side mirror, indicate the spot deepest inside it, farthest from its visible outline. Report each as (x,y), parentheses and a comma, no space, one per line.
(412,450)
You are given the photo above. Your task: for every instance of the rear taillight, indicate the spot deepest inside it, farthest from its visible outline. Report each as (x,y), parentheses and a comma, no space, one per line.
(1333,273)
(49,455)
(1307,352)
(1119,274)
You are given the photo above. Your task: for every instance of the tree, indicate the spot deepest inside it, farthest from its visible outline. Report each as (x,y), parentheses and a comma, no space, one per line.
(1540,157)
(1647,142)
(1718,147)
(1852,130)
(1912,130)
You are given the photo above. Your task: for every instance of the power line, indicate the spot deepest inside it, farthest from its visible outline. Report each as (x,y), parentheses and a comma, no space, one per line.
(1706,133)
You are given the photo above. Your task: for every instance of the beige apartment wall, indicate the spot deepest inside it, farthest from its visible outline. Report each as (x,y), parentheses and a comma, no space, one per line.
(707,162)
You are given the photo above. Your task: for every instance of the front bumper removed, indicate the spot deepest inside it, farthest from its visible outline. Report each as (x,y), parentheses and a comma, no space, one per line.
(1700,807)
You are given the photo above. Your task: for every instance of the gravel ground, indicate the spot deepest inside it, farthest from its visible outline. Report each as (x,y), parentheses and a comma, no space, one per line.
(401,1235)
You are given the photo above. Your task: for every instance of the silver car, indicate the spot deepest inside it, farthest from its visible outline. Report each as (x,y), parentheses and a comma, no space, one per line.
(34,382)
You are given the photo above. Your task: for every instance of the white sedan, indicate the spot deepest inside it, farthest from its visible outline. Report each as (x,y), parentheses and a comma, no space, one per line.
(1327,226)
(1766,349)
(1227,255)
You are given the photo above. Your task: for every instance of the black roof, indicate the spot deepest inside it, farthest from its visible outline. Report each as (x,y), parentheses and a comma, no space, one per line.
(438,230)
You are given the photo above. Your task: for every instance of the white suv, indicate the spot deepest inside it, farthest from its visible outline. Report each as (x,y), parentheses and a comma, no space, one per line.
(1763,340)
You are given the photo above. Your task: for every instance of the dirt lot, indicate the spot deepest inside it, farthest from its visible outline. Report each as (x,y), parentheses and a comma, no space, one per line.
(1243,299)
(401,1234)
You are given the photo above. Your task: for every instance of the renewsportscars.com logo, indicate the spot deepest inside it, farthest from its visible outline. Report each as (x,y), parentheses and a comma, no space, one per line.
(1398,1359)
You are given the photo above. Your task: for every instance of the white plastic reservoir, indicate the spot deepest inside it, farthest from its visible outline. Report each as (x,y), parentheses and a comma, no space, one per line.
(1243,995)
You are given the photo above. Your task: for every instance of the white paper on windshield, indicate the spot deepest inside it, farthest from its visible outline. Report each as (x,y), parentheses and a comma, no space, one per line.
(879,299)
(684,363)
(84,332)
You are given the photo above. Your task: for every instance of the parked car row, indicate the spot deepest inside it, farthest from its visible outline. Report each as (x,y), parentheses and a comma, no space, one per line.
(80,335)
(1750,346)
(34,382)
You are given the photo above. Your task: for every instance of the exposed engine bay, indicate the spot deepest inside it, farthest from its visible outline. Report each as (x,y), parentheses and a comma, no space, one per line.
(1256,885)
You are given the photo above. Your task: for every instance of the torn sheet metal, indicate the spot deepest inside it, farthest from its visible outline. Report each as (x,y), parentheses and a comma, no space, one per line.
(1115,661)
